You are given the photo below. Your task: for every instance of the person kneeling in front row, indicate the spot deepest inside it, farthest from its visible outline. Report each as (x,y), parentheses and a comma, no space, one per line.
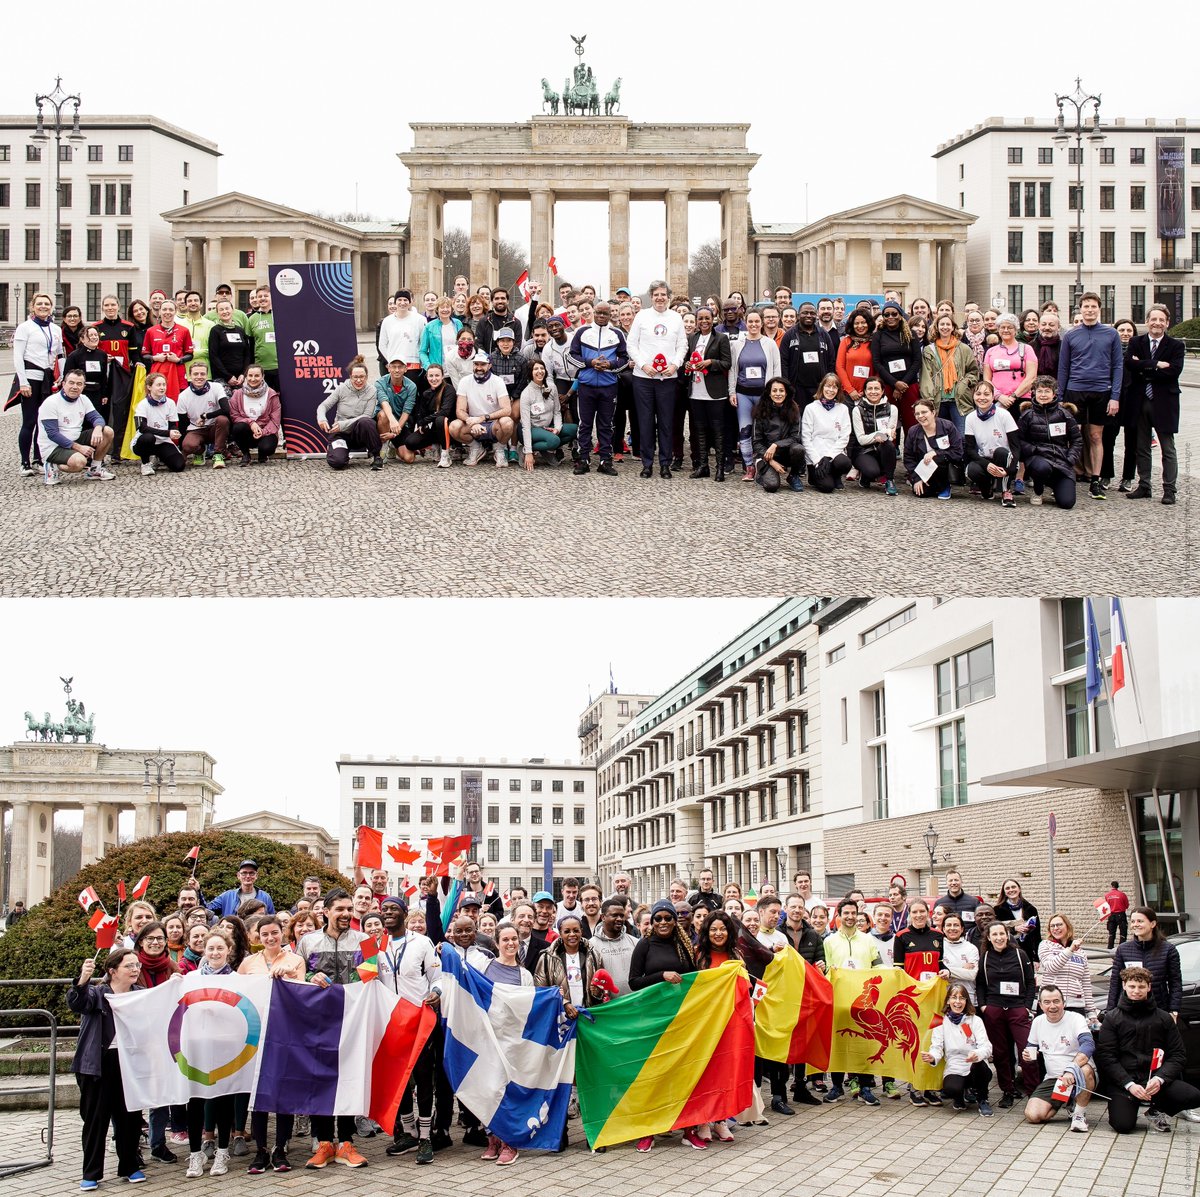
(825,430)
(429,425)
(542,427)
(931,447)
(62,416)
(775,438)
(157,424)
(992,445)
(255,411)
(1051,444)
(483,414)
(353,408)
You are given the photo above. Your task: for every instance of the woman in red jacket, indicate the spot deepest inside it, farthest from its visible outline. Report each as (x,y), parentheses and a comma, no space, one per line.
(166,349)
(854,355)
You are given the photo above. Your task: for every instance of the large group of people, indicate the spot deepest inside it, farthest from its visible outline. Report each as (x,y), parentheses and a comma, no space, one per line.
(1020,1006)
(782,392)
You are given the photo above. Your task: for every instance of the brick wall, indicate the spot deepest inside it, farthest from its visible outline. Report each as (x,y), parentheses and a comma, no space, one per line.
(990,841)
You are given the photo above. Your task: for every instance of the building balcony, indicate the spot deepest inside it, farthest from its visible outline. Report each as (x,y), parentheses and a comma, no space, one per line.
(1172,265)
(588,724)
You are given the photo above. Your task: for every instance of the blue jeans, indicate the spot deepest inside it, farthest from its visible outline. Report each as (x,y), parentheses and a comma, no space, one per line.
(949,411)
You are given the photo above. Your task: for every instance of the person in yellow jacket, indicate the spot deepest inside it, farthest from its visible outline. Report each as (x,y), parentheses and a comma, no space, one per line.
(848,947)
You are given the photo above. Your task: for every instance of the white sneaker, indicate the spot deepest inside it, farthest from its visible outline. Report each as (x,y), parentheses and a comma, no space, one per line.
(1035,500)
(50,470)
(444,460)
(498,454)
(147,469)
(220,1164)
(1079,1122)
(195,1164)
(1190,1115)
(475,452)
(28,471)
(97,473)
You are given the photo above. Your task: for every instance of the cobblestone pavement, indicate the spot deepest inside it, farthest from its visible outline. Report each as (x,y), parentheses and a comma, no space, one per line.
(298,528)
(897,1150)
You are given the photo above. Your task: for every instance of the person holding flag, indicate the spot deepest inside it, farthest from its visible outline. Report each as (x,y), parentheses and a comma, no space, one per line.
(961,1039)
(1142,1059)
(1065,1042)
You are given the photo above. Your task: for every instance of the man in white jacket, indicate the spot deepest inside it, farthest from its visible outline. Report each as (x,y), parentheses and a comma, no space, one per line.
(657,345)
(400,334)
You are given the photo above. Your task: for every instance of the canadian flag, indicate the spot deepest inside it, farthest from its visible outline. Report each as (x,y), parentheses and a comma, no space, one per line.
(98,917)
(506,900)
(758,992)
(87,897)
(1103,909)
(1156,1059)
(106,933)
(523,285)
(1063,1088)
(139,890)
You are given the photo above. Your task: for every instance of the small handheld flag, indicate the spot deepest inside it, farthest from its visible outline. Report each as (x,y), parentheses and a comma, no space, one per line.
(98,916)
(369,969)
(193,856)
(139,890)
(758,992)
(523,285)
(1103,909)
(552,266)
(370,848)
(1063,1088)
(87,897)
(1156,1060)
(121,892)
(106,933)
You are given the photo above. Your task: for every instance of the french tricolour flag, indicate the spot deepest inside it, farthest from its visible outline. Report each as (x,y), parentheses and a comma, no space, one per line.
(342,1050)
(1120,646)
(510,1054)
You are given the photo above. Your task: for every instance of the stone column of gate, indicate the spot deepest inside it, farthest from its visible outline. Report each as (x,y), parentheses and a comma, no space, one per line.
(393,273)
(876,266)
(18,857)
(262,259)
(677,241)
(739,239)
(839,266)
(143,820)
(92,845)
(762,272)
(618,241)
(212,266)
(179,262)
(359,281)
(479,270)
(541,239)
(924,271)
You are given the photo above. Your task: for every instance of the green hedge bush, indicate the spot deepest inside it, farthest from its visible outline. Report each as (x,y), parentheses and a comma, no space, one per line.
(1188,330)
(54,938)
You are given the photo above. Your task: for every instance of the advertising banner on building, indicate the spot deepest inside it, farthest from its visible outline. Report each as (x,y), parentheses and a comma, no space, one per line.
(472,804)
(315,335)
(1169,155)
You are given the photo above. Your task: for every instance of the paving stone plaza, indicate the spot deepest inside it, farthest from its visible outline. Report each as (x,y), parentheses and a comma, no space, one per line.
(297,528)
(895,1151)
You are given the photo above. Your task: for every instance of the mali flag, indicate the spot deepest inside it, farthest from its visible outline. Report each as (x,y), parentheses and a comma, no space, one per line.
(794,1020)
(667,1057)
(882,1020)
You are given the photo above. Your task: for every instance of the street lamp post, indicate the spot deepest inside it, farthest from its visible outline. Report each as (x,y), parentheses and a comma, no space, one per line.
(1078,100)
(781,858)
(691,864)
(164,769)
(57,100)
(930,838)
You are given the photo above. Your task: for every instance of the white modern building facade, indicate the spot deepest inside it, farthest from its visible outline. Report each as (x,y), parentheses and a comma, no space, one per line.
(723,769)
(115,184)
(515,809)
(1024,189)
(605,718)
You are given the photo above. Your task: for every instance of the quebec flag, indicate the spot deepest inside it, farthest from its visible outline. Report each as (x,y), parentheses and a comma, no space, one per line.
(509,1053)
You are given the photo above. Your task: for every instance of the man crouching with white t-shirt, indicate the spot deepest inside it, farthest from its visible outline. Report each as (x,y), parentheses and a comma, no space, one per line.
(62,417)
(1066,1043)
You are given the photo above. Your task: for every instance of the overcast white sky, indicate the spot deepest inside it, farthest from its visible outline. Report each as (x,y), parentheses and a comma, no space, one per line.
(310,103)
(276,728)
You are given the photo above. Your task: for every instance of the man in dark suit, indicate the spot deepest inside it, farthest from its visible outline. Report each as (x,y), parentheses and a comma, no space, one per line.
(1157,362)
(708,390)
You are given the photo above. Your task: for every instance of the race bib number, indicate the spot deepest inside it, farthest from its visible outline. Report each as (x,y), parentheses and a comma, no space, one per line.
(943,442)
(811,357)
(862,371)
(1059,428)
(927,976)
(92,367)
(754,372)
(234,338)
(339,443)
(1001,363)
(269,337)
(1009,989)
(851,963)
(507,379)
(883,426)
(898,365)
(968,916)
(537,408)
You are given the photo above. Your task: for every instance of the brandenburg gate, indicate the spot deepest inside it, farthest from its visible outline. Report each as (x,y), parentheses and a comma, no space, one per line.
(549,158)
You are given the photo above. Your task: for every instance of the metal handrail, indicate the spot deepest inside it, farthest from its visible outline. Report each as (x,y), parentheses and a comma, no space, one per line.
(19,1166)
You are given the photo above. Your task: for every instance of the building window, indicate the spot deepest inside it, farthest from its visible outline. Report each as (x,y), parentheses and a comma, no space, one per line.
(427,783)
(126,199)
(1015,154)
(427,812)
(4,252)
(5,194)
(381,783)
(1045,295)
(1016,298)
(403,813)
(94,199)
(493,784)
(1030,199)
(952,763)
(1108,247)
(966,678)
(95,153)
(1108,199)
(1075,156)
(1137,199)
(125,153)
(888,625)
(1045,155)
(1045,247)
(556,848)
(449,813)
(1196,155)
(1137,302)
(92,305)
(879,770)
(1195,248)
(1137,248)
(358,814)
(556,816)
(577,787)
(1108,303)
(580,851)
(5,153)
(834,655)
(33,153)
(1043,200)
(893,262)
(358,783)
(187,170)
(95,245)
(1108,156)
(1016,246)
(514,784)
(66,195)
(1161,852)
(493,850)
(33,195)
(447,783)
(556,785)
(1074,650)
(514,814)
(1195,198)
(535,849)
(1137,156)
(1087,729)
(186,198)
(622,707)
(1075,248)
(535,815)
(493,814)
(1014,199)
(580,816)
(514,851)
(64,245)
(1074,198)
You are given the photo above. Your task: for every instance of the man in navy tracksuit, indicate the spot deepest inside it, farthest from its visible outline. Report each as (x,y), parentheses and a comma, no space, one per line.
(1090,365)
(599,355)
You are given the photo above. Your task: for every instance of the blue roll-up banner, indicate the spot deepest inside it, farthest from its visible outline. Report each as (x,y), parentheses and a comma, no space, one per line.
(315,335)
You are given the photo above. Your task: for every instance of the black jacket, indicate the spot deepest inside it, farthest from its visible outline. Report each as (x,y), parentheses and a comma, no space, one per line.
(718,351)
(950,453)
(771,427)
(230,352)
(805,376)
(912,940)
(97,1027)
(1128,1036)
(1164,966)
(1051,433)
(424,410)
(1163,379)
(807,942)
(996,968)
(654,956)
(1031,940)
(887,348)
(489,325)
(95,380)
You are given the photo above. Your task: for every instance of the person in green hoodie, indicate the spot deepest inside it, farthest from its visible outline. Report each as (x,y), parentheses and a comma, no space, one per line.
(261,326)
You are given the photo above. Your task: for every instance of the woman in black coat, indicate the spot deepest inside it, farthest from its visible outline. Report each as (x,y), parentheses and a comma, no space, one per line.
(1051,444)
(775,438)
(931,441)
(97,1068)
(1020,916)
(665,954)
(1131,409)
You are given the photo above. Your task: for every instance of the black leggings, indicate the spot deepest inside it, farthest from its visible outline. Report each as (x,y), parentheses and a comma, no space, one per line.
(1061,482)
(977,472)
(323,1127)
(244,439)
(828,472)
(422,1081)
(939,480)
(222,1111)
(792,459)
(27,437)
(284,1124)
(147,446)
(1170,1099)
(877,461)
(978,1079)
